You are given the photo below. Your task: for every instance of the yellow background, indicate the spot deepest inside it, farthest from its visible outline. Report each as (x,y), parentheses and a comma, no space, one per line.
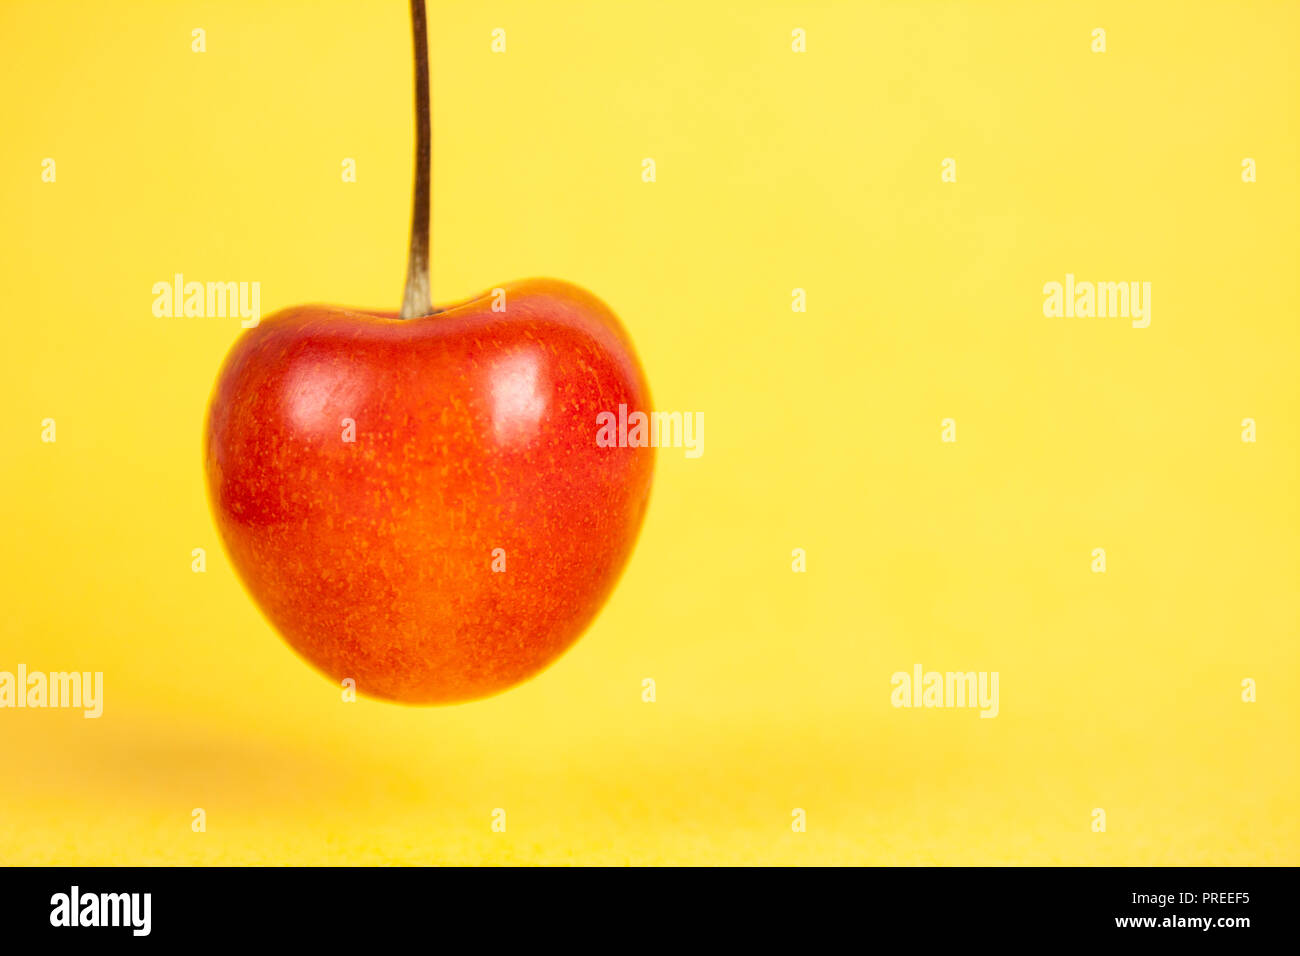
(775,170)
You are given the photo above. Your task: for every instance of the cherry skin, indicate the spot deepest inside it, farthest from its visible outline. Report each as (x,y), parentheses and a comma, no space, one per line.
(421,505)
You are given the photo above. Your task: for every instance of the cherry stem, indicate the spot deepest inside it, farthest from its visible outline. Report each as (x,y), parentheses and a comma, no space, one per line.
(417,300)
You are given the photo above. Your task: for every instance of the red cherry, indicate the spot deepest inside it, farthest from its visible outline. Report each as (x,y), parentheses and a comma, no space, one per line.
(473,446)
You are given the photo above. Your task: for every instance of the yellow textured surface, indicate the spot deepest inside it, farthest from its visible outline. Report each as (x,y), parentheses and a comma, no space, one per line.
(775,170)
